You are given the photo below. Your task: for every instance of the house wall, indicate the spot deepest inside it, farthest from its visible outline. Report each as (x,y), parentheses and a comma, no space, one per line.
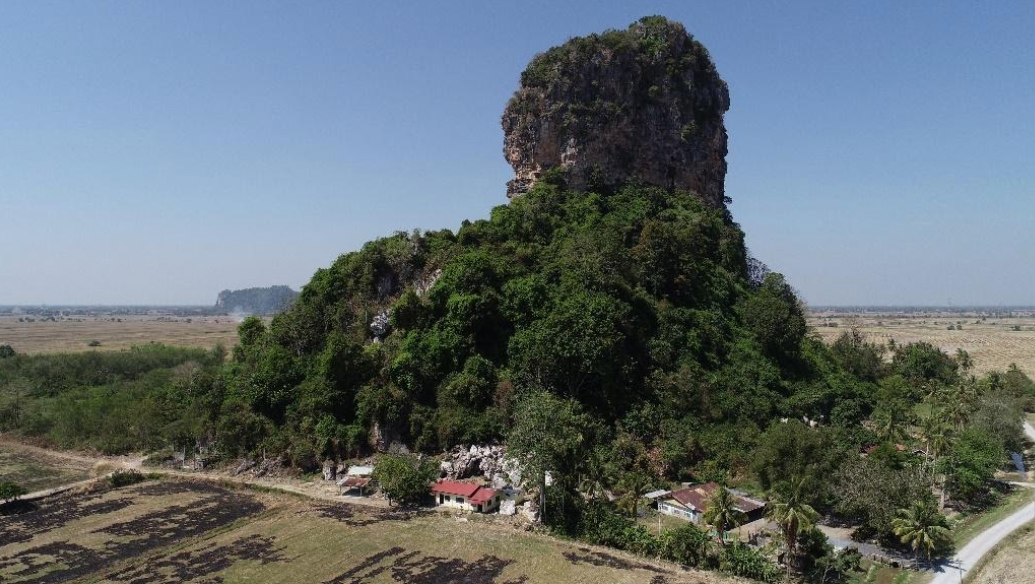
(458,502)
(678,511)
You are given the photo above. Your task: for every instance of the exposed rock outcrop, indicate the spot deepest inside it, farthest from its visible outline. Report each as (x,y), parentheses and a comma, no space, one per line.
(488,462)
(642,104)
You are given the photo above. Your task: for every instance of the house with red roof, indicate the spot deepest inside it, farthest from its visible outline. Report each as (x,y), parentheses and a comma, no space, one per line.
(466,496)
(691,503)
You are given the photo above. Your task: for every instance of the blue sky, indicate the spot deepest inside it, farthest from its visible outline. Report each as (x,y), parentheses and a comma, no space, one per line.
(880,152)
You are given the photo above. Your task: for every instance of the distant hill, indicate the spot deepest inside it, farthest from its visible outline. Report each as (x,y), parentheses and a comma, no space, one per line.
(259,301)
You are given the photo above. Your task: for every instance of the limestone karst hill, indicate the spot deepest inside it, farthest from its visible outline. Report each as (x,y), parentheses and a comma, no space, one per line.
(645,103)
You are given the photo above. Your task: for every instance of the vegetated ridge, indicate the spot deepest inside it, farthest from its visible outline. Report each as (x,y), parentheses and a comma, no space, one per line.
(256,301)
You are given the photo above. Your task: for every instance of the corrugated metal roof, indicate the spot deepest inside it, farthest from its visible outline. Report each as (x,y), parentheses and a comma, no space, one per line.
(698,498)
(483,495)
(454,488)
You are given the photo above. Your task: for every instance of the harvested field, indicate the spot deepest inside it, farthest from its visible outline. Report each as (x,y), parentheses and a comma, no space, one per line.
(177,531)
(75,334)
(36,471)
(993,343)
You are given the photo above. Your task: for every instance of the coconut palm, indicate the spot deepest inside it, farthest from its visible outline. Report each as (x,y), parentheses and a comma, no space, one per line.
(794,516)
(923,528)
(633,486)
(722,513)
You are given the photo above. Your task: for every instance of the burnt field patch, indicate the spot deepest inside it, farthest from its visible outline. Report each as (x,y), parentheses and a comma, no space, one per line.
(205,563)
(61,540)
(356,516)
(417,568)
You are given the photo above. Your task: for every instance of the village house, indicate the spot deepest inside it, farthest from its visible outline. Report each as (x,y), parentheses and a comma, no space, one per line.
(690,503)
(466,496)
(358,478)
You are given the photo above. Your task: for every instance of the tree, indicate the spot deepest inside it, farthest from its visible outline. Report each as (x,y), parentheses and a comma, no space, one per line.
(971,463)
(794,517)
(10,491)
(633,485)
(723,514)
(776,317)
(870,493)
(404,478)
(548,435)
(923,529)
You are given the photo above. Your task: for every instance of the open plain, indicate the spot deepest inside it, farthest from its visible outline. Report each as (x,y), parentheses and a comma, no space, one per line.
(113,333)
(993,343)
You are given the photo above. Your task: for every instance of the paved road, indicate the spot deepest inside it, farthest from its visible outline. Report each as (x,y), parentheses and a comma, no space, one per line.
(972,553)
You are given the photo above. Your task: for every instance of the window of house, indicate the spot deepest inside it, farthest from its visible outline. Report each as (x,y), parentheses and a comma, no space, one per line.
(459,499)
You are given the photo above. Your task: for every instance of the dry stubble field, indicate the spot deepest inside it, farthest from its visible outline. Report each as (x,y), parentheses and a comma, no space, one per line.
(165,531)
(116,333)
(992,343)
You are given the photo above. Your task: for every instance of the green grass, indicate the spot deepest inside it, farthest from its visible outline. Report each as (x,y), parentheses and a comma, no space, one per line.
(970,525)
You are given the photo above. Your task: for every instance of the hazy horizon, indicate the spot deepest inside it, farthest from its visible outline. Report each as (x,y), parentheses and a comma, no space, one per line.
(155,155)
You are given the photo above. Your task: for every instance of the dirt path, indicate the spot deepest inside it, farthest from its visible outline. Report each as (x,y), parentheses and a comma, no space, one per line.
(323,490)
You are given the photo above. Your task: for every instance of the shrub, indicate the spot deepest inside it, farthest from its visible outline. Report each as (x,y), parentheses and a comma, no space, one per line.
(94,343)
(124,478)
(686,545)
(6,351)
(10,490)
(740,560)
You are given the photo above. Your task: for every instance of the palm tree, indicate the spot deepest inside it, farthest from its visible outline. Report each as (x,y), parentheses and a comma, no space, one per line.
(923,528)
(595,479)
(794,516)
(722,513)
(964,360)
(633,486)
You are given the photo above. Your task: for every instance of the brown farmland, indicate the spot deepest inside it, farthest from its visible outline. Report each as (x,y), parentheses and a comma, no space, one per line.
(993,343)
(113,333)
(169,531)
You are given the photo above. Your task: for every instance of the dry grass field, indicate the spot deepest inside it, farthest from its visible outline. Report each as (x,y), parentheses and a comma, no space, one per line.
(115,333)
(165,531)
(35,472)
(1012,563)
(993,344)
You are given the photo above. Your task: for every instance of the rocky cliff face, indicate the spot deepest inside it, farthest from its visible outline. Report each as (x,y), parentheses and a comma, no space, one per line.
(641,104)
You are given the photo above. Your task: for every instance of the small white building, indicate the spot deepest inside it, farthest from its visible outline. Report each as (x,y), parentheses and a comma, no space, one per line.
(466,496)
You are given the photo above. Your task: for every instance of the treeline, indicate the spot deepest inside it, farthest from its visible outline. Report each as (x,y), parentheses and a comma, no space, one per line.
(145,398)
(258,301)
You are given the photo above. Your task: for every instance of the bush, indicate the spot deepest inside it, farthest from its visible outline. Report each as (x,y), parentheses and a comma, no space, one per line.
(124,478)
(6,351)
(686,545)
(10,490)
(740,560)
